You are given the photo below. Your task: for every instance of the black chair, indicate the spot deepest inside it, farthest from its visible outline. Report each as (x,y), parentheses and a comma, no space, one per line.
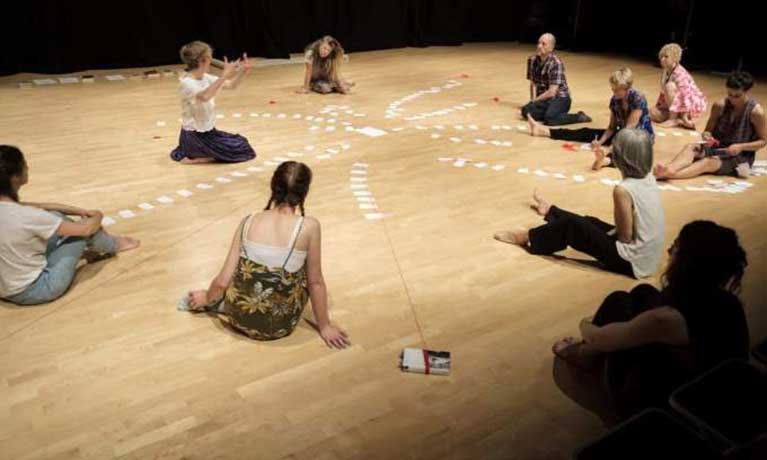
(728,404)
(760,351)
(651,434)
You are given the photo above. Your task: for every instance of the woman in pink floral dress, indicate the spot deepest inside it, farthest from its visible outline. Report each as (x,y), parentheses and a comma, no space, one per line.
(680,101)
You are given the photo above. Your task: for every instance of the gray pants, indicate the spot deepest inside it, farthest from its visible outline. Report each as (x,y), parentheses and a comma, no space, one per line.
(63,254)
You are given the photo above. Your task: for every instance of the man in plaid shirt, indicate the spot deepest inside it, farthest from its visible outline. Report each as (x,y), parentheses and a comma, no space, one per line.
(549,95)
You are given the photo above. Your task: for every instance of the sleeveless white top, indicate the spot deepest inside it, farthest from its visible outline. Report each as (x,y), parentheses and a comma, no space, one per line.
(645,251)
(275,257)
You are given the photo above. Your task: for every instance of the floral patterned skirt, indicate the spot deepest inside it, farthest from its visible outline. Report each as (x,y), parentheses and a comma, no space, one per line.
(265,303)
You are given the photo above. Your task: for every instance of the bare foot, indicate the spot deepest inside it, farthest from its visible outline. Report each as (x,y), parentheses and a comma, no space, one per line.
(518,237)
(535,128)
(541,206)
(126,243)
(599,158)
(563,344)
(686,124)
(194,161)
(670,123)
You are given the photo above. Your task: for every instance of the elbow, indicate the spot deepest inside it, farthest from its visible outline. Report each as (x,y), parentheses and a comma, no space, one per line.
(316,284)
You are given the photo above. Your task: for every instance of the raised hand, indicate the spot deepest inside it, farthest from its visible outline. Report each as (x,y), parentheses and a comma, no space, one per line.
(246,63)
(229,68)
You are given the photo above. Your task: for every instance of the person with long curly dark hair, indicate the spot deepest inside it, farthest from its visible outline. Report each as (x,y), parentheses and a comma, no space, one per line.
(642,344)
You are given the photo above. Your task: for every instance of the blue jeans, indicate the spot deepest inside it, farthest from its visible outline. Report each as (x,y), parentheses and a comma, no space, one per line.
(63,254)
(552,112)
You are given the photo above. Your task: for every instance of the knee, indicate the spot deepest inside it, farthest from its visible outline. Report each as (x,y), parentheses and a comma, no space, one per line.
(646,295)
(712,164)
(525,110)
(616,307)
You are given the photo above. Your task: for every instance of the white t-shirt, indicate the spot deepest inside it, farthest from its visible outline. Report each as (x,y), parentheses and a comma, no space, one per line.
(646,250)
(195,114)
(24,233)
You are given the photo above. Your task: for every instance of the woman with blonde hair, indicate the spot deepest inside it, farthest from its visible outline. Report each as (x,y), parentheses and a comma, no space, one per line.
(628,109)
(323,59)
(680,101)
(199,140)
(632,246)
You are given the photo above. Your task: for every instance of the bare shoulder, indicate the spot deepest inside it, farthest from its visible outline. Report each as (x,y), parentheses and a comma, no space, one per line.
(311,224)
(620,193)
(758,111)
(718,105)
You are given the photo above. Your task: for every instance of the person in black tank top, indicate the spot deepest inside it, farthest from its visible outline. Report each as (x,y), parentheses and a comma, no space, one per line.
(641,345)
(736,129)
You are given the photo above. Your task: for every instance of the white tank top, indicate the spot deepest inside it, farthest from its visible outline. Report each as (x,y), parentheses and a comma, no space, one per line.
(274,257)
(645,251)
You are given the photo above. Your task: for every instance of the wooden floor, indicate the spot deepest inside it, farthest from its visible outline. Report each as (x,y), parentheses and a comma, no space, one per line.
(113,370)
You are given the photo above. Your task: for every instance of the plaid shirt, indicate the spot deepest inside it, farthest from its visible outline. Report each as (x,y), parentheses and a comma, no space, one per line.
(544,73)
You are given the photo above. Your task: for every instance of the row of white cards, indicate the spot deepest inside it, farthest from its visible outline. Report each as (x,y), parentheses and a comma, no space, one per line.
(461,162)
(441,112)
(337,110)
(228,178)
(497,143)
(358,178)
(394,109)
(280,116)
(712,185)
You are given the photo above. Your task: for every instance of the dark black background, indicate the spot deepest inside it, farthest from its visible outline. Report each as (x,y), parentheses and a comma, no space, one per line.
(58,37)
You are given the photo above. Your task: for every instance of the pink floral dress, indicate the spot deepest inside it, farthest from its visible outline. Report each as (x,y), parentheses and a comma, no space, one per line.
(688,98)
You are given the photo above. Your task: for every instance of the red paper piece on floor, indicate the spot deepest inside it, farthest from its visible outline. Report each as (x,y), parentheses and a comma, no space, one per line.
(497,99)
(272,102)
(156,137)
(464,75)
(568,146)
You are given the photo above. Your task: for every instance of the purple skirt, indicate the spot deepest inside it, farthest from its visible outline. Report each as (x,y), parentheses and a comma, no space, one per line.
(220,145)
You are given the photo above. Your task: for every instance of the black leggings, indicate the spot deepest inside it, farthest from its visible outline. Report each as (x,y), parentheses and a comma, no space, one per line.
(622,306)
(586,234)
(585,135)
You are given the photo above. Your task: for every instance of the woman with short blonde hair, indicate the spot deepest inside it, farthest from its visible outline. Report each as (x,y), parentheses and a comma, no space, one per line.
(680,101)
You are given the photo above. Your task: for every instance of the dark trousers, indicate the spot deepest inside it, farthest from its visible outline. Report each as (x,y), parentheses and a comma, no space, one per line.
(552,111)
(586,234)
(585,135)
(621,306)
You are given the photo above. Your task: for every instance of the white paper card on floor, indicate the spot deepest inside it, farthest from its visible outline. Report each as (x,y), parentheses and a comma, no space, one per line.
(372,132)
